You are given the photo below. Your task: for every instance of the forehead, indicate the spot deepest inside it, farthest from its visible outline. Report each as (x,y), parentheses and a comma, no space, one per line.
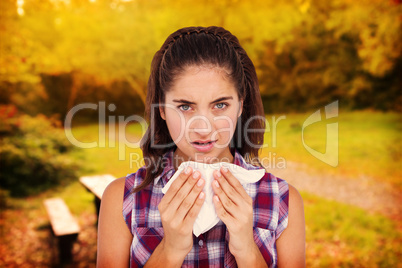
(198,83)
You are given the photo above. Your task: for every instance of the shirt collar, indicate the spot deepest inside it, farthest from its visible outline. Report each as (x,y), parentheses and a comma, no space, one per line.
(168,165)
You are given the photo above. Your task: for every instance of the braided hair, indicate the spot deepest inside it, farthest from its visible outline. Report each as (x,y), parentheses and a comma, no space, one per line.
(197,46)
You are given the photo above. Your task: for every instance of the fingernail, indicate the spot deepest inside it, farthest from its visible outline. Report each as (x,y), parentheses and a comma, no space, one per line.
(216,198)
(188,170)
(201,196)
(218,174)
(224,169)
(217,183)
(200,182)
(196,174)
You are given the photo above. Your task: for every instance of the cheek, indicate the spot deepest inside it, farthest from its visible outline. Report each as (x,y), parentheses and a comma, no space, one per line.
(226,125)
(175,124)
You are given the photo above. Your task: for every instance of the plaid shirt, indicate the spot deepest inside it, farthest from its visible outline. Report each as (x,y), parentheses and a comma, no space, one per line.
(140,210)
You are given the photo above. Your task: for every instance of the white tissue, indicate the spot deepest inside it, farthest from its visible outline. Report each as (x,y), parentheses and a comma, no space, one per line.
(207,218)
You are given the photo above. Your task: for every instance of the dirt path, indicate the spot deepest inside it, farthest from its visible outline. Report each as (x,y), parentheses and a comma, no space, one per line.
(363,192)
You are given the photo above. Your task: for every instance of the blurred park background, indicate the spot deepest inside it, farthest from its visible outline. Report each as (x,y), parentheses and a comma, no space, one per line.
(57,54)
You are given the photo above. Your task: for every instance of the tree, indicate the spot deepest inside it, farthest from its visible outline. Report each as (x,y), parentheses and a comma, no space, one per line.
(326,59)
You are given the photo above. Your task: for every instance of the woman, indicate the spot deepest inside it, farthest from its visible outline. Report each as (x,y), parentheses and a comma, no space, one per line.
(204,105)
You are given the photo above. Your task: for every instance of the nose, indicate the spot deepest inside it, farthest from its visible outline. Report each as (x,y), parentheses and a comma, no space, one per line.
(201,125)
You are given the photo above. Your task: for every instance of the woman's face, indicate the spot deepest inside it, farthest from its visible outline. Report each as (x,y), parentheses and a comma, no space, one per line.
(201,111)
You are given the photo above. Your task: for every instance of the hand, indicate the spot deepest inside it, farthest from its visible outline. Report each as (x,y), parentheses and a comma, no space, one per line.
(179,209)
(235,208)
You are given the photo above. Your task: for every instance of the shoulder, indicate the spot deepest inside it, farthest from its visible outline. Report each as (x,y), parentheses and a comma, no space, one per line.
(116,184)
(295,199)
(113,190)
(296,209)
(291,244)
(112,203)
(121,187)
(114,238)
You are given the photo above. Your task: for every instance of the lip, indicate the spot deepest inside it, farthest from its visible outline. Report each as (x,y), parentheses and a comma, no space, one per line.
(203,148)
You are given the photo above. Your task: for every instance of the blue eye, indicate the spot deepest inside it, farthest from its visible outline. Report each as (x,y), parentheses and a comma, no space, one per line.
(184,107)
(220,105)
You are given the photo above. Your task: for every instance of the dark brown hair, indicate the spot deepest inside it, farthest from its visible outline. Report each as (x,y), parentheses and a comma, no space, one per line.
(195,46)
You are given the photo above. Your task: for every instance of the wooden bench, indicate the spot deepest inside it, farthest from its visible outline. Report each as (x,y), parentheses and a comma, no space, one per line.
(97,184)
(65,227)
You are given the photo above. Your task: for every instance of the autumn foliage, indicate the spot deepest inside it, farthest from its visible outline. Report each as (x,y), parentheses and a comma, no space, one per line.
(56,54)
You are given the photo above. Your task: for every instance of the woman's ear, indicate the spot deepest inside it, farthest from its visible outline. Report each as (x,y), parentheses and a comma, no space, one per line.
(162,111)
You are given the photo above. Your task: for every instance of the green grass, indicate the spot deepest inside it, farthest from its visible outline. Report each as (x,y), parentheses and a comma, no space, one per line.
(114,158)
(370,143)
(339,235)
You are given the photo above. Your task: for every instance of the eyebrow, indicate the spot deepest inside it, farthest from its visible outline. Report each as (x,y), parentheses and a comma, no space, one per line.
(215,101)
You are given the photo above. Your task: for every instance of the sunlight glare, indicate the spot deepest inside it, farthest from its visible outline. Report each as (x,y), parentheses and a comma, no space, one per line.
(20,9)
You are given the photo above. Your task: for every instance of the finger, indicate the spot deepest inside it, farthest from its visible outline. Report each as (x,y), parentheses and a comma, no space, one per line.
(183,192)
(235,183)
(188,202)
(177,184)
(194,211)
(222,213)
(230,191)
(225,201)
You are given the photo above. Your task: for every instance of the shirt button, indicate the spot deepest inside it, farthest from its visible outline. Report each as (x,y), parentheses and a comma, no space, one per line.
(200,243)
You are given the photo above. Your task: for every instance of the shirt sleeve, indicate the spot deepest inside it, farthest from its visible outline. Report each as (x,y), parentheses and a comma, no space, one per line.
(270,215)
(283,188)
(128,200)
